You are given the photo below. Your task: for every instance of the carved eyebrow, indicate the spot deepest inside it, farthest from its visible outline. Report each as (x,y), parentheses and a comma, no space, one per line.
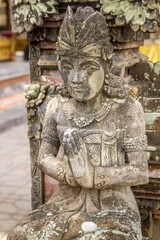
(65,61)
(91,62)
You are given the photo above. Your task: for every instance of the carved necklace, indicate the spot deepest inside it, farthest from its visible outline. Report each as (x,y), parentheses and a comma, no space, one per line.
(83,121)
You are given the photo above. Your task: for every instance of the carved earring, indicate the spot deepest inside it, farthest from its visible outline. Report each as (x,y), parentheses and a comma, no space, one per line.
(106,79)
(62,89)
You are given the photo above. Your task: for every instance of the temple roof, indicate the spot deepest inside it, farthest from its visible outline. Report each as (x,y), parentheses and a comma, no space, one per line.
(141,15)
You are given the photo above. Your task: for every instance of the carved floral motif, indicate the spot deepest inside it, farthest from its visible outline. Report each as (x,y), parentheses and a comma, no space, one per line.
(30,13)
(141,15)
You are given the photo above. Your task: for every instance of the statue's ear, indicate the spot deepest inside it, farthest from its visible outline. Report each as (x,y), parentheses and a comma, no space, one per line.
(115,87)
(107,51)
(59,65)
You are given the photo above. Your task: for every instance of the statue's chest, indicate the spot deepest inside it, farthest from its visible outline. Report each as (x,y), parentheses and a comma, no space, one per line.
(103,143)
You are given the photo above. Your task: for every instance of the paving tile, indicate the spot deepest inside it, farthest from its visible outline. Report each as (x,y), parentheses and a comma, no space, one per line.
(7,189)
(3,195)
(17,217)
(4,216)
(7,225)
(24,205)
(23,191)
(22,212)
(9,200)
(26,197)
(13,182)
(15,189)
(7,208)
(4,171)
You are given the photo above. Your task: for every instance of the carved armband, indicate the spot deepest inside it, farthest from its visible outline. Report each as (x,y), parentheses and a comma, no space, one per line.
(61,174)
(133,144)
(50,136)
(101,179)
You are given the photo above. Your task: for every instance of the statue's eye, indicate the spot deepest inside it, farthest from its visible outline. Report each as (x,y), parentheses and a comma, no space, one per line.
(90,67)
(67,67)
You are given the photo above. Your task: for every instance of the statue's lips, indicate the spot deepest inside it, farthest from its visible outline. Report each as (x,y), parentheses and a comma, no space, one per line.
(79,89)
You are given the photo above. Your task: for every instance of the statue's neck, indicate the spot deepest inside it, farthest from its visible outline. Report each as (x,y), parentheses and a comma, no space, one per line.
(90,106)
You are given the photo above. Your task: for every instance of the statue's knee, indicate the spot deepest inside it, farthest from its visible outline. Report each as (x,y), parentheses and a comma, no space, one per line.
(17,233)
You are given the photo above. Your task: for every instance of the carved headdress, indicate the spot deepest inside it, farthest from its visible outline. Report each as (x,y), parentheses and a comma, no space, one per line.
(84,34)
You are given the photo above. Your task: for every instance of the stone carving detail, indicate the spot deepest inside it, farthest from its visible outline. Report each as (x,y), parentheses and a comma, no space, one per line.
(38,96)
(27,14)
(34,52)
(42,34)
(140,15)
(84,120)
(102,133)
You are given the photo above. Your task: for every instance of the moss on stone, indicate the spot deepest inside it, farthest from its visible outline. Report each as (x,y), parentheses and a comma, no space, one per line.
(157,68)
(133,12)
(26,15)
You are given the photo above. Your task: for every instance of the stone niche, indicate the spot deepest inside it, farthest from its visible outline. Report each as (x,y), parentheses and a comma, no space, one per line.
(130,22)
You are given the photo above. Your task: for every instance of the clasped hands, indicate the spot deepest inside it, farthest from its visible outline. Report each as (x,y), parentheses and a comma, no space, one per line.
(75,157)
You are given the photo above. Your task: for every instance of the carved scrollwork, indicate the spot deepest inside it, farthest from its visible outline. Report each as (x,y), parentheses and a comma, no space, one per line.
(144,212)
(30,13)
(43,34)
(135,143)
(38,96)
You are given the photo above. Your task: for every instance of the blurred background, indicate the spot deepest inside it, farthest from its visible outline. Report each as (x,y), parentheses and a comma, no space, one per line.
(15,183)
(14,147)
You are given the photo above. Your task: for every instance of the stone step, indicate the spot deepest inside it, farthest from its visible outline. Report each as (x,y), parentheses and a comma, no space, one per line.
(10,85)
(12,100)
(13,77)
(13,116)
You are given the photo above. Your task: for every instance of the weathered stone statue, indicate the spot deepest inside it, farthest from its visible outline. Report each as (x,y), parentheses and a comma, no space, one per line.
(102,133)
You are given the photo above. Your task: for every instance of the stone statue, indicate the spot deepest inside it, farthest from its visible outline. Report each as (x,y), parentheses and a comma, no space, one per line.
(102,133)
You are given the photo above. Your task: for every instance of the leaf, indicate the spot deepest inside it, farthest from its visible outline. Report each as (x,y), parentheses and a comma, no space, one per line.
(41,8)
(24,10)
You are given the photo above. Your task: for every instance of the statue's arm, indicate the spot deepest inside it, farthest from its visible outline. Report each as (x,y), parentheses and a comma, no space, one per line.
(135,172)
(50,145)
(48,163)
(54,167)
(47,160)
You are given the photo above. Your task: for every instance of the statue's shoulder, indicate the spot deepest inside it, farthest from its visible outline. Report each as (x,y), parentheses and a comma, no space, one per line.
(57,105)
(53,106)
(130,106)
(131,115)
(57,102)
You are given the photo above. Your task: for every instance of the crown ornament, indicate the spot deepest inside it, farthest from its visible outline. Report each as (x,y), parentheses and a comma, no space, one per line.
(84,34)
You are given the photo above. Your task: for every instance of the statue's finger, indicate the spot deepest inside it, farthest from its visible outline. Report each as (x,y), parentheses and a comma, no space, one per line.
(76,140)
(65,148)
(73,145)
(69,146)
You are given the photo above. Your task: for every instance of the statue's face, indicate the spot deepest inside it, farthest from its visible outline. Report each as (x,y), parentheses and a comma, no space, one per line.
(84,77)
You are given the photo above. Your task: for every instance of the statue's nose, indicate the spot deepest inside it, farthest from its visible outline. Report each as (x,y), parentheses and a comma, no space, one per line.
(77,78)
